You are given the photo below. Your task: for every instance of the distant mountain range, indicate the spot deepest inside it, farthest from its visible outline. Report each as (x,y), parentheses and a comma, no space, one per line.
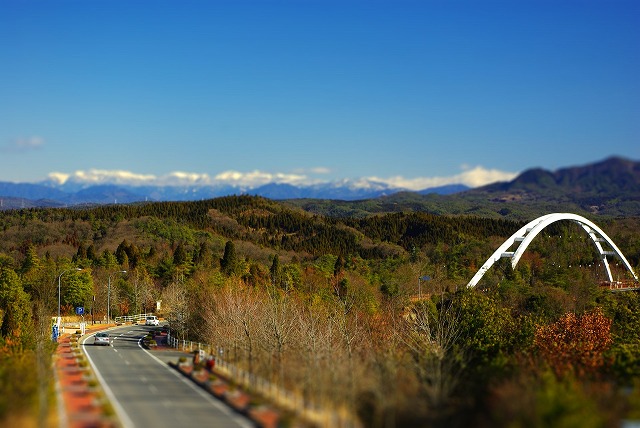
(73,193)
(610,187)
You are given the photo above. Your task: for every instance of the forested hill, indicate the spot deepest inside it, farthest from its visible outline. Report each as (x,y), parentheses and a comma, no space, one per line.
(256,220)
(230,271)
(610,188)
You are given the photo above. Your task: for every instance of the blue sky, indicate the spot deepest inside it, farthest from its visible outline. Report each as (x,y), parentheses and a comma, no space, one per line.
(415,93)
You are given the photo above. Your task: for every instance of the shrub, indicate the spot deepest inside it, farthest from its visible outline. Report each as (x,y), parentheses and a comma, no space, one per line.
(107,409)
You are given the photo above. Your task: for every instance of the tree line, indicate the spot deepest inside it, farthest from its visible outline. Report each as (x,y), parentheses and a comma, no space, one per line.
(335,307)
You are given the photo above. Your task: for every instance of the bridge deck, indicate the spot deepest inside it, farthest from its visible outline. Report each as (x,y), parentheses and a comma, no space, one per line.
(621,285)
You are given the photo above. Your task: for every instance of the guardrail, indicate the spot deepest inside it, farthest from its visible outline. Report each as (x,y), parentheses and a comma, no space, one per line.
(131,318)
(290,400)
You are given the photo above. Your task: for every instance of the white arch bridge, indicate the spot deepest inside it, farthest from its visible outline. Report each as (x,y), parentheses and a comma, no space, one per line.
(523,237)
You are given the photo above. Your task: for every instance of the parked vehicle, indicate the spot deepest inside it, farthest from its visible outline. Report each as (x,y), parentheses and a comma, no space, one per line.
(102,338)
(152,320)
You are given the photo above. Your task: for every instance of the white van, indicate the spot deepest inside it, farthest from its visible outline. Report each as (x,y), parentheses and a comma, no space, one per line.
(152,320)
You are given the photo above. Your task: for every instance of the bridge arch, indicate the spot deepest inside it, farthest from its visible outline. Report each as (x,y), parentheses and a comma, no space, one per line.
(526,233)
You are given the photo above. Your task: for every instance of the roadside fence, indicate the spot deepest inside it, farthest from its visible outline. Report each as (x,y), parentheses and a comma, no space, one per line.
(131,318)
(290,400)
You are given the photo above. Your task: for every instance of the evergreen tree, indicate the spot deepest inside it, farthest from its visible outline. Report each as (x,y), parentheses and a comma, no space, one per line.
(229,261)
(179,255)
(413,258)
(108,260)
(91,253)
(290,276)
(274,271)
(31,260)
(203,255)
(81,254)
(338,267)
(121,251)
(78,289)
(15,305)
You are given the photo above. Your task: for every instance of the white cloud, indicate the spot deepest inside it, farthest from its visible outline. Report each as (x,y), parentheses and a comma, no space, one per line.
(320,170)
(480,176)
(101,176)
(24,144)
(472,177)
(179,178)
(259,178)
(58,177)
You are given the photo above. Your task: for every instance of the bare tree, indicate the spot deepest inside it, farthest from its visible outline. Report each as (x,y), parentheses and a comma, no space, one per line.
(278,326)
(143,289)
(177,306)
(431,334)
(314,348)
(232,319)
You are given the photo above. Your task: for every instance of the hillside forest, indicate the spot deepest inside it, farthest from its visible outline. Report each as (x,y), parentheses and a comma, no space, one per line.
(368,315)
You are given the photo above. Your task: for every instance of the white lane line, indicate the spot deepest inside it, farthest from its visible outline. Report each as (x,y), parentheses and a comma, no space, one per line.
(143,379)
(223,408)
(153,389)
(122,415)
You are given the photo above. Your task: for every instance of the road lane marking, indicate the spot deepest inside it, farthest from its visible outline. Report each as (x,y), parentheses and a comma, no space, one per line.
(208,397)
(122,415)
(153,389)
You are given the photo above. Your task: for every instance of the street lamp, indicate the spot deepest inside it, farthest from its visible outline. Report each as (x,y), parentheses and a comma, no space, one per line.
(109,297)
(60,276)
(422,278)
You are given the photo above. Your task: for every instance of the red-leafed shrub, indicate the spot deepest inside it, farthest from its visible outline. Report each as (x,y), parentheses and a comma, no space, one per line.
(575,343)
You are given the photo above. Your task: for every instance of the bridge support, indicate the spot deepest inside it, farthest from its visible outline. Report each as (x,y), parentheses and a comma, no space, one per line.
(525,235)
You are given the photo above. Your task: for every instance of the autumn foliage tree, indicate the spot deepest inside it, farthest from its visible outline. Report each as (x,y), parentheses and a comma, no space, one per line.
(575,343)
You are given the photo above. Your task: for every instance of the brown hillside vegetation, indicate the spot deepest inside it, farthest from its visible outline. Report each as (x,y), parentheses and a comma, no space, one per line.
(367,315)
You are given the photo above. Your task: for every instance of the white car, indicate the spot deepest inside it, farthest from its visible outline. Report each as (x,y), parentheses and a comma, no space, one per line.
(152,320)
(102,338)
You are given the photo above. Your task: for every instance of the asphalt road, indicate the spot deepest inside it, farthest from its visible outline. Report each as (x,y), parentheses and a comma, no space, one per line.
(146,392)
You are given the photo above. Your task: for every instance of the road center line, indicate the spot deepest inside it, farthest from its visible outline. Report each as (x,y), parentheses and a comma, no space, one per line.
(226,410)
(122,415)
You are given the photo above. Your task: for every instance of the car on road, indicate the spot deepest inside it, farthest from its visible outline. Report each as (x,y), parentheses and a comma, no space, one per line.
(102,338)
(151,320)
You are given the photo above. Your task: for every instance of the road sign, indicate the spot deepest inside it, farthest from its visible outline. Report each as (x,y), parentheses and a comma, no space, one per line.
(80,310)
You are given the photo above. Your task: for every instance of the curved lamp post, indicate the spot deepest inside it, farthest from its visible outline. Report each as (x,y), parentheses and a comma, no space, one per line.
(59,277)
(109,297)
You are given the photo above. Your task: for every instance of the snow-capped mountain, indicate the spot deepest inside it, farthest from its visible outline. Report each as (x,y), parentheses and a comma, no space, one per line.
(75,192)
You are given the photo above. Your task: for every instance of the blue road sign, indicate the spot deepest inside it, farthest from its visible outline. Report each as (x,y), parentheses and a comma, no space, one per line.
(80,310)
